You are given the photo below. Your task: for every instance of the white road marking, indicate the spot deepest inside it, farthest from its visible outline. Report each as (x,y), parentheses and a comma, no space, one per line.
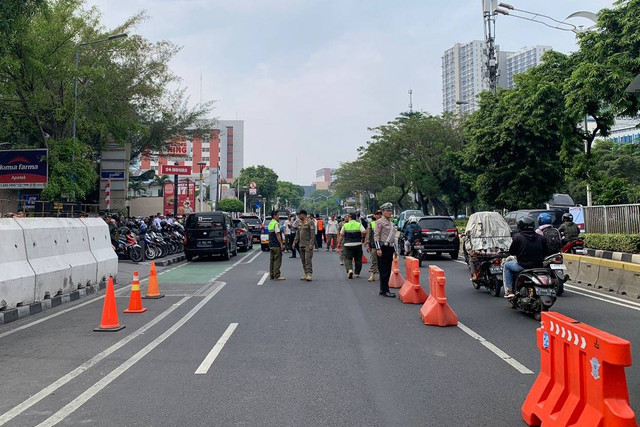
(109,378)
(501,354)
(602,297)
(254,257)
(264,277)
(460,262)
(215,351)
(8,416)
(59,313)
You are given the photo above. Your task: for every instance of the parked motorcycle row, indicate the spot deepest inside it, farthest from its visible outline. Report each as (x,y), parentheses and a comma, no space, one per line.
(151,243)
(487,240)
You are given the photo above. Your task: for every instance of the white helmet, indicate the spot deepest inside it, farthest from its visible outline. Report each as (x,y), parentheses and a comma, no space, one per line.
(413,218)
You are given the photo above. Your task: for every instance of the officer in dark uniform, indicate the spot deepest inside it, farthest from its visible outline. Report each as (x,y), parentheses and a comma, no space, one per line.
(384,236)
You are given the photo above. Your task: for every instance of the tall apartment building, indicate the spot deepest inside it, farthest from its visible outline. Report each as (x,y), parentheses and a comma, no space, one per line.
(463,75)
(324,178)
(221,147)
(520,61)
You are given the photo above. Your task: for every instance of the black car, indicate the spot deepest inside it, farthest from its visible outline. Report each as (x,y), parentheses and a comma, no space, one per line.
(255,226)
(439,234)
(513,217)
(210,233)
(244,238)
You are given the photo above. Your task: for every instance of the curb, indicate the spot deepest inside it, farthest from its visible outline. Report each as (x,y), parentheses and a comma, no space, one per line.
(615,256)
(169,261)
(8,316)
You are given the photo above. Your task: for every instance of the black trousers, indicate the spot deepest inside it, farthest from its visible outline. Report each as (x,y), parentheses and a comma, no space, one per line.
(291,237)
(384,267)
(319,239)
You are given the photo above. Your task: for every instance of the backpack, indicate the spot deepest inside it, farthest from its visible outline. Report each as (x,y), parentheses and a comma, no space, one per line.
(552,236)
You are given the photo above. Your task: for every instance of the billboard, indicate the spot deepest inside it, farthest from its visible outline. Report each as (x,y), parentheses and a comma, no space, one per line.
(23,169)
(186,204)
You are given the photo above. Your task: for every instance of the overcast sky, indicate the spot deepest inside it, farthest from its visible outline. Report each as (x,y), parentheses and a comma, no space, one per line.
(309,77)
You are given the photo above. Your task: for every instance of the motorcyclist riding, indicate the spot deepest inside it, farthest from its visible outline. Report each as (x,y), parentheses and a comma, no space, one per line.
(550,234)
(411,232)
(568,230)
(529,248)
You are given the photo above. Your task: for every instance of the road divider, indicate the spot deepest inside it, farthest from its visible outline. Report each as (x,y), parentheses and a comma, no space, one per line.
(614,276)
(395,280)
(412,292)
(436,310)
(582,379)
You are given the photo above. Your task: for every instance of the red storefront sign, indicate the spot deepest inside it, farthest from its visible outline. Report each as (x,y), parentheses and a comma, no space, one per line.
(175,170)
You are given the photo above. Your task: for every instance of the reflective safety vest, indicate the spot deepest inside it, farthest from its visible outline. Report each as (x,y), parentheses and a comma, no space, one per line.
(352,233)
(319,224)
(274,227)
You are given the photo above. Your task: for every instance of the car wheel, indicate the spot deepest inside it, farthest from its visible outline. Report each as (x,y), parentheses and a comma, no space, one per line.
(454,254)
(226,254)
(189,257)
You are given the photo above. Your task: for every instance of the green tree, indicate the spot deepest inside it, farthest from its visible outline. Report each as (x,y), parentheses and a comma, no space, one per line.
(136,187)
(230,205)
(160,180)
(289,194)
(266,181)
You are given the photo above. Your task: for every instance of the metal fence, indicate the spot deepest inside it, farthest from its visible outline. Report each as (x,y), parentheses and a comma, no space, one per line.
(614,219)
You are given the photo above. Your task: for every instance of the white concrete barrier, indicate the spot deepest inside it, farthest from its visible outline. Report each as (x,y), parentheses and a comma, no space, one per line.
(78,250)
(48,255)
(17,278)
(100,244)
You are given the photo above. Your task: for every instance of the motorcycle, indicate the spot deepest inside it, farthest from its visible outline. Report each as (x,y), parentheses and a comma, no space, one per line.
(416,251)
(487,271)
(535,291)
(574,246)
(128,246)
(555,263)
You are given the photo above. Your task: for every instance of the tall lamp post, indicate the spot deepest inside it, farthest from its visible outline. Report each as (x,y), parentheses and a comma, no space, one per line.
(75,83)
(244,190)
(202,165)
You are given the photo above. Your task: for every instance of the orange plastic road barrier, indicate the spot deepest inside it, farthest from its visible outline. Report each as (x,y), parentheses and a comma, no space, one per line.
(412,292)
(135,300)
(364,259)
(581,380)
(152,289)
(109,322)
(395,280)
(436,311)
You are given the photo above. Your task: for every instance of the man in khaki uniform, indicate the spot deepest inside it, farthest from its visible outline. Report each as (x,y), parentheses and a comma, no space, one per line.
(371,246)
(384,237)
(305,239)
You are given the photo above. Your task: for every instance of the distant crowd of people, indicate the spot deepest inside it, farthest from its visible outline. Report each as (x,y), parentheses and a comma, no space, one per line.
(349,236)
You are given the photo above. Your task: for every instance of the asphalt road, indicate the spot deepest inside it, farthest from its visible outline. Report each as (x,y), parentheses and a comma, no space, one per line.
(226,347)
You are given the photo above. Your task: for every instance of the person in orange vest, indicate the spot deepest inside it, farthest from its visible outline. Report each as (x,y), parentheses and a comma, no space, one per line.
(319,231)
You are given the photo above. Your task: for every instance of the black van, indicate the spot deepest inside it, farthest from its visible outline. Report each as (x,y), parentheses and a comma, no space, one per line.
(210,233)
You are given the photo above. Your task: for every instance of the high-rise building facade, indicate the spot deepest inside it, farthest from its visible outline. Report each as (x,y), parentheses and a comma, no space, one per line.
(520,61)
(221,147)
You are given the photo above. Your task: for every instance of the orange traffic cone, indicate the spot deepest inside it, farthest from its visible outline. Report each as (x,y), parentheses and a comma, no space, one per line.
(395,280)
(135,300)
(109,322)
(364,259)
(152,288)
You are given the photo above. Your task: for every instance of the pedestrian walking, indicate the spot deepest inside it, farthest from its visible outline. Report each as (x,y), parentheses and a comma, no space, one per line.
(385,241)
(305,238)
(341,224)
(370,243)
(293,228)
(353,234)
(332,229)
(276,246)
(319,231)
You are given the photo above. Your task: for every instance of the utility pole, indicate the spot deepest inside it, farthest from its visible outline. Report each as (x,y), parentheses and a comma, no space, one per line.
(410,101)
(491,65)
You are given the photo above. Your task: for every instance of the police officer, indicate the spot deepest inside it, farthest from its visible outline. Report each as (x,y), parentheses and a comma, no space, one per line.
(385,240)
(276,246)
(371,246)
(305,239)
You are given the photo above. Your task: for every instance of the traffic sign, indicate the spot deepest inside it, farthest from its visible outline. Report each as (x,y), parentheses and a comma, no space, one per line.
(253,185)
(175,170)
(258,204)
(253,191)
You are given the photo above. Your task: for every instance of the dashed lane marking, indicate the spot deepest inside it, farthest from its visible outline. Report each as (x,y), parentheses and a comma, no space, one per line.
(501,354)
(264,277)
(215,351)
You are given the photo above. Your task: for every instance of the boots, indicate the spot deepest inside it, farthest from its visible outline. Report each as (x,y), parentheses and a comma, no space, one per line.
(371,277)
(308,277)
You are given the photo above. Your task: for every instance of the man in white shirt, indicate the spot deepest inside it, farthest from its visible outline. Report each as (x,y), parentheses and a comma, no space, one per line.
(332,233)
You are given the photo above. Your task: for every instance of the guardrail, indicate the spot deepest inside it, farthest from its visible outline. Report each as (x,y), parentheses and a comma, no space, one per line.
(621,219)
(44,257)
(614,276)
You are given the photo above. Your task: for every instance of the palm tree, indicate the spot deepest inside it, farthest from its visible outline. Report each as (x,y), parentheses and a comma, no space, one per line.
(160,180)
(136,187)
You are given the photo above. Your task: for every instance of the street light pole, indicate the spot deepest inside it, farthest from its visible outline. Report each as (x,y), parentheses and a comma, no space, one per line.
(202,166)
(244,190)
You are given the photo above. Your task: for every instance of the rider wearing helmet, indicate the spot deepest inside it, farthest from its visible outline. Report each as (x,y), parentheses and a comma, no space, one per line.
(411,232)
(550,234)
(529,248)
(568,230)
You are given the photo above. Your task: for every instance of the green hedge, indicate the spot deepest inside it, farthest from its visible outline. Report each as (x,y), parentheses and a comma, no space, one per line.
(613,242)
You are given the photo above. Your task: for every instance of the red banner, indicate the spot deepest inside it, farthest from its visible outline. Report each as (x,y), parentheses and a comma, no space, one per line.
(175,170)
(186,197)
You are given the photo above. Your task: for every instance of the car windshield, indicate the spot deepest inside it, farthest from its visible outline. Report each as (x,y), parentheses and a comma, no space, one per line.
(436,224)
(251,220)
